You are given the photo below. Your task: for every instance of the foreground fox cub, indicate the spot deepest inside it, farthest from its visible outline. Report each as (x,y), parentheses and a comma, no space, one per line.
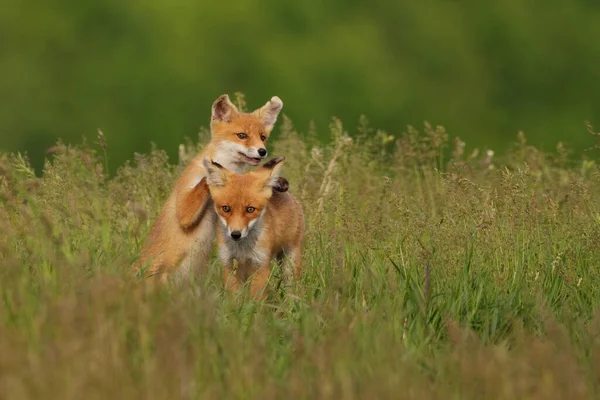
(182,237)
(257,224)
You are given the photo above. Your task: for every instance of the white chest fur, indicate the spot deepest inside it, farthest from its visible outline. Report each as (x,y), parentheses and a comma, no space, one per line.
(246,250)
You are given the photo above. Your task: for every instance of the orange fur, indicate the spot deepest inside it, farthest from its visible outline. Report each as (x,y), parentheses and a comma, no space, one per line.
(191,204)
(181,239)
(273,226)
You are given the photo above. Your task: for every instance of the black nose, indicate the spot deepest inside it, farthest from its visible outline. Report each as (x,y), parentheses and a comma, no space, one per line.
(236,235)
(262,152)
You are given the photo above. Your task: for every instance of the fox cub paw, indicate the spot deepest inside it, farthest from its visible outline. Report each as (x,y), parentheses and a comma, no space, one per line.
(282,185)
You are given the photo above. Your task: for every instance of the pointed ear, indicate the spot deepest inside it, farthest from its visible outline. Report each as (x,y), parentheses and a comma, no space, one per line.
(269,112)
(223,109)
(271,171)
(216,175)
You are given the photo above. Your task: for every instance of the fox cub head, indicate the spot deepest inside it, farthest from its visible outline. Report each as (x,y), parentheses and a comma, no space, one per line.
(243,136)
(240,199)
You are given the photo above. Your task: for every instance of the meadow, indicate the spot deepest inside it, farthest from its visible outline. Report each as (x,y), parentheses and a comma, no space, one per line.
(431,270)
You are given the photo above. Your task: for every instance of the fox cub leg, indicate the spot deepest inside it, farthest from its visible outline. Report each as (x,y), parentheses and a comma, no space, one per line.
(191,203)
(281,185)
(290,263)
(260,280)
(232,279)
(296,258)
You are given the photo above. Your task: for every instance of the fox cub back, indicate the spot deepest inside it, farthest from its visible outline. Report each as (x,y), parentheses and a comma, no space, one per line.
(256,224)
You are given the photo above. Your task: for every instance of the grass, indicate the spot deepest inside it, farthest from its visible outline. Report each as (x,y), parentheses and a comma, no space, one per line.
(429,272)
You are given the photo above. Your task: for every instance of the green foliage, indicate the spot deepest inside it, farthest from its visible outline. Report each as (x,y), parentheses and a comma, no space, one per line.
(147,71)
(471,277)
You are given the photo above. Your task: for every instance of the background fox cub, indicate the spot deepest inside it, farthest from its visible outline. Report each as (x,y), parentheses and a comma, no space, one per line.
(256,224)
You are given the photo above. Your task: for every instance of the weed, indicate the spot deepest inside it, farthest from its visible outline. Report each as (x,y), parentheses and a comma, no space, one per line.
(425,276)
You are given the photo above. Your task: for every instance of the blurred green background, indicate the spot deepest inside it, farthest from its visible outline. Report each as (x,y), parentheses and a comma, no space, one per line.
(148,71)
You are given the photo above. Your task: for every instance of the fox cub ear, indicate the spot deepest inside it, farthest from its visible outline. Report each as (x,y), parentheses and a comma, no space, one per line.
(223,109)
(270,111)
(270,171)
(215,173)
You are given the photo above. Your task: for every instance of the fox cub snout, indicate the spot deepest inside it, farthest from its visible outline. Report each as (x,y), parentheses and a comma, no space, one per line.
(255,225)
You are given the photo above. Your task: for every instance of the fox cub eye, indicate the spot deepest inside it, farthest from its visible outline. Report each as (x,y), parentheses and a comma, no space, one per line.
(250,210)
(242,135)
(226,209)
(263,137)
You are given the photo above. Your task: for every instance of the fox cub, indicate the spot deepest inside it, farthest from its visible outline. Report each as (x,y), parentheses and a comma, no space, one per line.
(257,223)
(183,236)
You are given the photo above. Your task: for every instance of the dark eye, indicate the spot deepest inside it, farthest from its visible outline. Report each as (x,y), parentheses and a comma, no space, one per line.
(250,209)
(242,135)
(263,137)
(226,209)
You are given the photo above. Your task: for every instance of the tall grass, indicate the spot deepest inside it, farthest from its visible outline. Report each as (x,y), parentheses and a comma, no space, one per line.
(430,271)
